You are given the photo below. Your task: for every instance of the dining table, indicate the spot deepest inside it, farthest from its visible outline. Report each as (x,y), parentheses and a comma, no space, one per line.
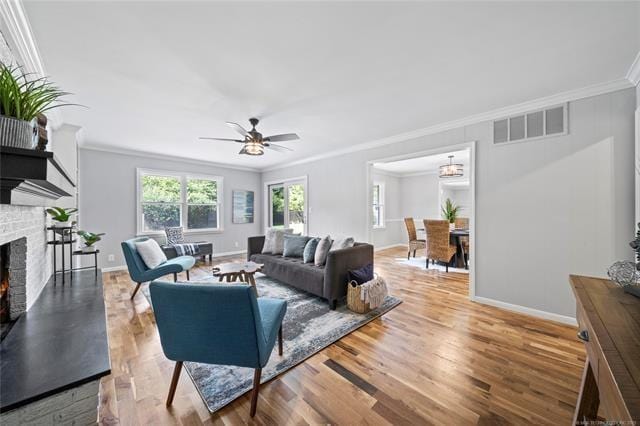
(455,236)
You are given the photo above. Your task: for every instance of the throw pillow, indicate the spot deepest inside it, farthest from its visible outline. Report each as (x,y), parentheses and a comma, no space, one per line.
(274,240)
(342,243)
(294,245)
(361,275)
(151,253)
(322,250)
(174,235)
(309,252)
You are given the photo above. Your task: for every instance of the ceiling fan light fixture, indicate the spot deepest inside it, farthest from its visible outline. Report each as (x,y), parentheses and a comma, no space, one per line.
(254,148)
(451,170)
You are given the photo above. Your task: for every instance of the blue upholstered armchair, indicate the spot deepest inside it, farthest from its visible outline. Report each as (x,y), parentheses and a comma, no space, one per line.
(217,324)
(141,274)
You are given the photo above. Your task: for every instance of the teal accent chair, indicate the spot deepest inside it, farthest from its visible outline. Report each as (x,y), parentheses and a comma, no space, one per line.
(141,274)
(223,324)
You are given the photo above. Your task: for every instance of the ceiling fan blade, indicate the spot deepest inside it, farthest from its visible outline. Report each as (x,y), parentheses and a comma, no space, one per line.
(242,151)
(238,128)
(277,148)
(221,139)
(281,138)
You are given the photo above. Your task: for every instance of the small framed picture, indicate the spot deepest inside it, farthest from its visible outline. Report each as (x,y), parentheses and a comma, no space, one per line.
(243,206)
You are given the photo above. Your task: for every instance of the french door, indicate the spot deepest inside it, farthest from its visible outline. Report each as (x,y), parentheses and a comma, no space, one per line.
(287,205)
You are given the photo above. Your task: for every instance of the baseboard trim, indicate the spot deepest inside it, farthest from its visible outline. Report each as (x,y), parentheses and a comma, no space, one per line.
(115,268)
(389,246)
(229,253)
(527,311)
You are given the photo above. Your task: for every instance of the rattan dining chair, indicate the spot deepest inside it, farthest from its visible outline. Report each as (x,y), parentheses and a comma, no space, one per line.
(414,242)
(463,223)
(438,246)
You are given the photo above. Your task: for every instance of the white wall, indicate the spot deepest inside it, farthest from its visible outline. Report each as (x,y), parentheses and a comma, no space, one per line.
(393,231)
(108,200)
(544,209)
(420,197)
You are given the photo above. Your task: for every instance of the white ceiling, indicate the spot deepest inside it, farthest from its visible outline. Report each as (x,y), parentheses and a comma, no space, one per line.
(428,164)
(156,75)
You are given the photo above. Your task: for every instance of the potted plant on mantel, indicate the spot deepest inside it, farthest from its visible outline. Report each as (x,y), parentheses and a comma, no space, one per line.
(61,216)
(89,239)
(450,213)
(22,100)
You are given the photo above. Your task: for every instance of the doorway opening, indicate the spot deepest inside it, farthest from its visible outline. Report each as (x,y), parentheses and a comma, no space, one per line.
(421,198)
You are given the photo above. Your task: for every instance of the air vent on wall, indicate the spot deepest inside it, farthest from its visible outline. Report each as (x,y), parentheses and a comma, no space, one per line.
(531,125)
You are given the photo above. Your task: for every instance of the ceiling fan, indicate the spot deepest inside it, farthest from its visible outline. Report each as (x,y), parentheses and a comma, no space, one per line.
(254,143)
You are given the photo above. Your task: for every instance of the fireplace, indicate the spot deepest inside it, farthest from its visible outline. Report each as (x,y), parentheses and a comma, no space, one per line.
(12,283)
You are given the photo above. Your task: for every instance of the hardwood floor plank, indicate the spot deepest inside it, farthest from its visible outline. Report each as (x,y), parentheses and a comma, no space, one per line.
(437,358)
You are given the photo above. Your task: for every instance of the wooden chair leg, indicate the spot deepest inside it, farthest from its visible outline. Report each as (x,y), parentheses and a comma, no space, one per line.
(409,254)
(254,392)
(414,253)
(446,268)
(280,340)
(174,382)
(135,291)
(175,277)
(188,278)
(427,263)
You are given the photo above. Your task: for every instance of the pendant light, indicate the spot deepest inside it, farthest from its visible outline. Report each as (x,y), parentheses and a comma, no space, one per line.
(451,170)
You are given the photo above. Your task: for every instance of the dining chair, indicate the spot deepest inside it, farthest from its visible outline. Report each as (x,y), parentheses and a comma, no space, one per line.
(224,324)
(414,242)
(140,273)
(463,223)
(438,246)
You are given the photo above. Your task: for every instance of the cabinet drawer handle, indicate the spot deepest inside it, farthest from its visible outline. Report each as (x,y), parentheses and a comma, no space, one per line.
(583,335)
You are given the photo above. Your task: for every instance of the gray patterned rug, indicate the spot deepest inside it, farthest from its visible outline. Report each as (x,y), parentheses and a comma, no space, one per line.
(309,326)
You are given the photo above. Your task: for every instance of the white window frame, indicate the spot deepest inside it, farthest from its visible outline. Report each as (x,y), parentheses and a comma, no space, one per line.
(381,197)
(184,177)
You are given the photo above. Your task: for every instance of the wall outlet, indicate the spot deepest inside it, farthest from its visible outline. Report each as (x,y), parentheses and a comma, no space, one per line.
(236,243)
(112,258)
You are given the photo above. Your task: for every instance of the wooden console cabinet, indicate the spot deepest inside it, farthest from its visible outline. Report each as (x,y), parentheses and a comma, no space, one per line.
(609,324)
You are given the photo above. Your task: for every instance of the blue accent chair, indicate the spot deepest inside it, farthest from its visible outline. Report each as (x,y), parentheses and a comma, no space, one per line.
(223,324)
(141,274)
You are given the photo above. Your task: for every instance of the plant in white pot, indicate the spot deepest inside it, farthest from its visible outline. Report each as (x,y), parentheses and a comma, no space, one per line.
(90,239)
(61,216)
(450,213)
(21,101)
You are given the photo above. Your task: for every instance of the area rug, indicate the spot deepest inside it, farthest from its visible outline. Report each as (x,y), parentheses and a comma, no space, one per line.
(420,262)
(309,326)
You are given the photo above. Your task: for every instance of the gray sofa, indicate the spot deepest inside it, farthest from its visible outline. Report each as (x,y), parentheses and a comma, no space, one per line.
(328,281)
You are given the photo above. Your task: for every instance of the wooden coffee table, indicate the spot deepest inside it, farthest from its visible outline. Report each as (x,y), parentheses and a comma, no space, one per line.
(232,271)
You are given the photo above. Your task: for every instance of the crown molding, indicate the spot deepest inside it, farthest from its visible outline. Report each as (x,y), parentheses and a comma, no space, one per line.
(540,103)
(633,75)
(17,31)
(145,154)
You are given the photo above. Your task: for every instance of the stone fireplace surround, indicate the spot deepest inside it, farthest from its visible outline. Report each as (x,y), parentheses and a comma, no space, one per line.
(30,258)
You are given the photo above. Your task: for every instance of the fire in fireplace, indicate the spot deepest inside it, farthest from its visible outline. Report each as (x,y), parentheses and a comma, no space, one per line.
(4,284)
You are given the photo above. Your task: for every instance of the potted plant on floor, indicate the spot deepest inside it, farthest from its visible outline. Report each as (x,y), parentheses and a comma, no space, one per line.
(450,213)
(21,101)
(61,216)
(90,239)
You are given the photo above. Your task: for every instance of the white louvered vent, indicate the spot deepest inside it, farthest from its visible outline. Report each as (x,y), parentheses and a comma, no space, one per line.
(531,125)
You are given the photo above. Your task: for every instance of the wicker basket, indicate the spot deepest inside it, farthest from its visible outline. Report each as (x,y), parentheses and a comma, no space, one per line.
(353,299)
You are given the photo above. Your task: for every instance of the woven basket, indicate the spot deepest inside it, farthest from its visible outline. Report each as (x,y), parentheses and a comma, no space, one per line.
(353,299)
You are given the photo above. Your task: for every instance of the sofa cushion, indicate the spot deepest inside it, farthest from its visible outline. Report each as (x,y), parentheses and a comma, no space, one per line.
(322,250)
(151,253)
(361,275)
(294,245)
(309,252)
(292,271)
(274,240)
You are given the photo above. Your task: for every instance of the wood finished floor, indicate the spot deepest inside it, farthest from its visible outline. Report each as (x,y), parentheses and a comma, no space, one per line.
(435,359)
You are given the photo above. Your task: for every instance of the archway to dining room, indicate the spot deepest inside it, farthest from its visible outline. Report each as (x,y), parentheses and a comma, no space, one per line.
(421,212)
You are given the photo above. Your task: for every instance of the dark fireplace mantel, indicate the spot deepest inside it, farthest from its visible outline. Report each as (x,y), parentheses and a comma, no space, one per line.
(37,174)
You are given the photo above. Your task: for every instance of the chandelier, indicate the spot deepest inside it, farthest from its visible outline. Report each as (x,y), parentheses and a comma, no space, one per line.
(451,170)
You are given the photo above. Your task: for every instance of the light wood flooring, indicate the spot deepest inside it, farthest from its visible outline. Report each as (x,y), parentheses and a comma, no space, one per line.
(435,359)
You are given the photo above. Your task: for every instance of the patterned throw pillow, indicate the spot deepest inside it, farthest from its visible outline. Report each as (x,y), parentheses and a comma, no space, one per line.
(322,251)
(174,235)
(310,250)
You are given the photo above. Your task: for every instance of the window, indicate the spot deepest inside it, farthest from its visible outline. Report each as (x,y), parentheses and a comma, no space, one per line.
(378,205)
(175,199)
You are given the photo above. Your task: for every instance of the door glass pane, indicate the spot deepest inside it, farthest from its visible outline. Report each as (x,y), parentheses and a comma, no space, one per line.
(155,217)
(277,207)
(296,208)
